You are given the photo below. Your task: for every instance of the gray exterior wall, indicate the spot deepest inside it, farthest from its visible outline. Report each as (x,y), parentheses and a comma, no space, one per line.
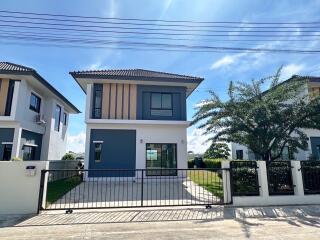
(144,102)
(31,138)
(6,135)
(118,151)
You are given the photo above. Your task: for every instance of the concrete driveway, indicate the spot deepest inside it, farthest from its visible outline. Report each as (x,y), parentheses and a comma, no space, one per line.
(293,222)
(123,193)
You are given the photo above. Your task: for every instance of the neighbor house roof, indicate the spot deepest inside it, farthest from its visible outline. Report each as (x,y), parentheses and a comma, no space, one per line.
(12,68)
(134,74)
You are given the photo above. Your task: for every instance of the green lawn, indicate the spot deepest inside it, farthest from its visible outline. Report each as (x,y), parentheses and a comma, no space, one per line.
(209,180)
(57,189)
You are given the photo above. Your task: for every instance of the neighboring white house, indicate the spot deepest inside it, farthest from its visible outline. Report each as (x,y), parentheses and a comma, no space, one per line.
(312,88)
(136,118)
(33,115)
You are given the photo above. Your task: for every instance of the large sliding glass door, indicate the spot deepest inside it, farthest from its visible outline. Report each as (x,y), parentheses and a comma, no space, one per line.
(160,158)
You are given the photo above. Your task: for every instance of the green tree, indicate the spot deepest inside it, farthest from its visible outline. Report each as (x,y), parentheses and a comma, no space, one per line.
(217,150)
(265,121)
(68,156)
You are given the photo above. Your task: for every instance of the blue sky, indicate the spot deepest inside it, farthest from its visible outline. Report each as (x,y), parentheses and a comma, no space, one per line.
(218,69)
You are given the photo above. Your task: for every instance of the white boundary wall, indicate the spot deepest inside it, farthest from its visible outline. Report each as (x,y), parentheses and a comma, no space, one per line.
(19,191)
(264,199)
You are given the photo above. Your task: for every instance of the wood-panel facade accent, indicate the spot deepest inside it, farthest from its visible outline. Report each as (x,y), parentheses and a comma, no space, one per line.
(119,101)
(4,85)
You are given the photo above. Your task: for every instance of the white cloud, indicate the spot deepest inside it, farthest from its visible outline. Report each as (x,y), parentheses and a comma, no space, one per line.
(98,65)
(226,61)
(245,59)
(291,69)
(197,141)
(76,143)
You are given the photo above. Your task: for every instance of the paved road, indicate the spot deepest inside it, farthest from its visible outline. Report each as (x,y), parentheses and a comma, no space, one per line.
(176,223)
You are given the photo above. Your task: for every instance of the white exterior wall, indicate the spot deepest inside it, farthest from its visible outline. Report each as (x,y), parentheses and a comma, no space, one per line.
(53,142)
(19,192)
(149,133)
(57,139)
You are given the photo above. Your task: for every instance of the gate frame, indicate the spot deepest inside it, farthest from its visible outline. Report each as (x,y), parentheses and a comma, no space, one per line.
(225,181)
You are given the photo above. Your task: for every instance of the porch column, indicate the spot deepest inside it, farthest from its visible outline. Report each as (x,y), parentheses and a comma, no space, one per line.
(16,142)
(15,99)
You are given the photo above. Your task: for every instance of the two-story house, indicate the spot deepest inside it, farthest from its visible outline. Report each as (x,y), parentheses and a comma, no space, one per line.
(311,88)
(136,119)
(33,115)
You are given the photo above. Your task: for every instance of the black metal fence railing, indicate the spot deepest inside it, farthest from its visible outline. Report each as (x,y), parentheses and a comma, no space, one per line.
(132,188)
(280,178)
(311,176)
(244,178)
(63,164)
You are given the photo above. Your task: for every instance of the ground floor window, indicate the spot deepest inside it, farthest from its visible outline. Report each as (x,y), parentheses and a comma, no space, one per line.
(97,152)
(7,150)
(29,152)
(160,158)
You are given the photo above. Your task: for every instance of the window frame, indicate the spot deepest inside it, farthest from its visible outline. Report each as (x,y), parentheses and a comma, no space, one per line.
(97,88)
(239,150)
(32,152)
(96,160)
(65,118)
(35,108)
(57,126)
(6,146)
(161,103)
(161,159)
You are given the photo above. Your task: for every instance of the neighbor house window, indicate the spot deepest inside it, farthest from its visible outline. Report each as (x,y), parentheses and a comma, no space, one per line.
(29,152)
(7,150)
(97,101)
(287,154)
(161,104)
(239,154)
(35,103)
(97,151)
(57,116)
(65,118)
(160,158)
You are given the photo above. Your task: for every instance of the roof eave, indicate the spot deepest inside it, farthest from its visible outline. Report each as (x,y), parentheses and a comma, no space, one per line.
(44,82)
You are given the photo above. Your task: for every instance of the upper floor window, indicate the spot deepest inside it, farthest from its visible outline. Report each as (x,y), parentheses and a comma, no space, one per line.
(57,116)
(97,101)
(35,103)
(239,154)
(161,104)
(65,118)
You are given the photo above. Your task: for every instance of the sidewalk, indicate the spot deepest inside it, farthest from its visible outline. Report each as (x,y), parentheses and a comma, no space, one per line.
(299,222)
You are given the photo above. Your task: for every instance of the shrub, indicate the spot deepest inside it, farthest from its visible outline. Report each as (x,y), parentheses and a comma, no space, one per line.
(68,156)
(191,163)
(212,163)
(16,159)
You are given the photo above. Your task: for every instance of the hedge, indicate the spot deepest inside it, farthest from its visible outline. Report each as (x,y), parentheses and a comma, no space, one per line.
(208,163)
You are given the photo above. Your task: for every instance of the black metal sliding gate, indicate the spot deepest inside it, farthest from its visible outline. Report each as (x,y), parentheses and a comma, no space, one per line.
(88,189)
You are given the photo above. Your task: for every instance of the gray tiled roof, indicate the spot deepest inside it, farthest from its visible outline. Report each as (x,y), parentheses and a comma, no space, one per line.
(7,66)
(310,78)
(12,68)
(131,74)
